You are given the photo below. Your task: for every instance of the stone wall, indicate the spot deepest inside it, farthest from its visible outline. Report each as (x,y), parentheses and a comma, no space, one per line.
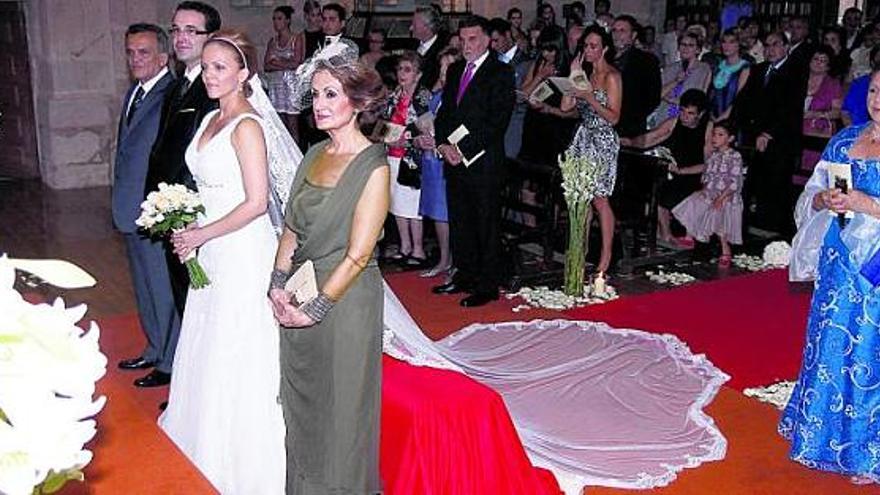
(79,73)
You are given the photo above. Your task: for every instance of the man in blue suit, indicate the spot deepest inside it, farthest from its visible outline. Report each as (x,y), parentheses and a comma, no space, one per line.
(146,48)
(509,53)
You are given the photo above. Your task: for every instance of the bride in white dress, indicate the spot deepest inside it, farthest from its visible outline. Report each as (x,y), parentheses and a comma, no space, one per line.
(222,409)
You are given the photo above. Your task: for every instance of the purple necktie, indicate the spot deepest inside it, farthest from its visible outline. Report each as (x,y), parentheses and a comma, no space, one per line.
(465,80)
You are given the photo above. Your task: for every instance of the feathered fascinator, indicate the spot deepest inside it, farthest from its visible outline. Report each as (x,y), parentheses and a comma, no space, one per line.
(338,53)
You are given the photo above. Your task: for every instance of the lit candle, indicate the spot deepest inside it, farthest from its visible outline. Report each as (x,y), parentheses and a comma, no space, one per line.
(599,285)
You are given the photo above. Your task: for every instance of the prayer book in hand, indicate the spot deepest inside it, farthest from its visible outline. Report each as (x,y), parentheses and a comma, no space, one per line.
(456,137)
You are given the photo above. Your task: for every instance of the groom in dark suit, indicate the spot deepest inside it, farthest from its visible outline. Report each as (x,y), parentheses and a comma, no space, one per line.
(479,96)
(185,106)
(146,49)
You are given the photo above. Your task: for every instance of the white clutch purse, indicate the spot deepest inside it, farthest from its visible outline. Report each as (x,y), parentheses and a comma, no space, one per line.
(302,284)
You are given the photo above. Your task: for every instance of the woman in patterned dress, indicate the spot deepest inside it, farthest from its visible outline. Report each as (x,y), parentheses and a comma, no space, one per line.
(406,104)
(283,55)
(599,107)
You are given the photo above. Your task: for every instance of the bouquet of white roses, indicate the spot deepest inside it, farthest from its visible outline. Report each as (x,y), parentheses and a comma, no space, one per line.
(171,209)
(48,370)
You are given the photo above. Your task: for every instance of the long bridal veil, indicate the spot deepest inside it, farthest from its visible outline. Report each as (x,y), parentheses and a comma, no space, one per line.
(283,154)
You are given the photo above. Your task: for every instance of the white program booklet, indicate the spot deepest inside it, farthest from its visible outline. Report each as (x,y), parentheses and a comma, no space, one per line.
(568,85)
(840,172)
(541,92)
(456,137)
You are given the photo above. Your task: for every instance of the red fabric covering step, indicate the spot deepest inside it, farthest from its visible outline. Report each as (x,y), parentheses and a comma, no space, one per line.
(445,434)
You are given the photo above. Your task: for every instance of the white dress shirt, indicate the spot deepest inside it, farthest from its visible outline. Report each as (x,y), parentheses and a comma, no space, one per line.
(147,86)
(424,46)
(507,56)
(192,74)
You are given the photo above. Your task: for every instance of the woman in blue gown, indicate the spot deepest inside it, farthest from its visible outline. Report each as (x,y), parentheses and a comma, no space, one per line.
(833,417)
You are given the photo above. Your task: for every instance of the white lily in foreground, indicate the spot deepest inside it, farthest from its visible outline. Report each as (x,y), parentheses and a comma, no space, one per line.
(48,370)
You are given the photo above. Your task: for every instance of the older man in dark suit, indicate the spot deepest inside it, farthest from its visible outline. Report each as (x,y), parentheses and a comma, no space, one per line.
(479,97)
(146,48)
(426,29)
(185,106)
(769,111)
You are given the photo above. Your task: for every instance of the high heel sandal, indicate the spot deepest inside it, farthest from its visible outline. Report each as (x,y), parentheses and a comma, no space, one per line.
(433,272)
(399,256)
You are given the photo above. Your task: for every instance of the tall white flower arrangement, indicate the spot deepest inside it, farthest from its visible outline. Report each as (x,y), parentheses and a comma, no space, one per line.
(580,178)
(48,370)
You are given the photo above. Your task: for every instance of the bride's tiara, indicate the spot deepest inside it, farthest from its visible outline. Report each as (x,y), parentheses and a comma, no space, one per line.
(233,45)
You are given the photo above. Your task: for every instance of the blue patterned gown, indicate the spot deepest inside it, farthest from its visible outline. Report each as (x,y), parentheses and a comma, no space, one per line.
(833,417)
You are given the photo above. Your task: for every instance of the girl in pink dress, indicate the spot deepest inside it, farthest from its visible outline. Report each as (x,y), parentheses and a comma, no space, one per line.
(717,208)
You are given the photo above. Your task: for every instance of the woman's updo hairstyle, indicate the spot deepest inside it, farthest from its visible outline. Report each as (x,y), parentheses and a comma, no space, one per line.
(243,49)
(286,10)
(361,84)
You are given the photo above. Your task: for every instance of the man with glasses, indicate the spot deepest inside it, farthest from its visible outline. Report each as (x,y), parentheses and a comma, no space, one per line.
(183,109)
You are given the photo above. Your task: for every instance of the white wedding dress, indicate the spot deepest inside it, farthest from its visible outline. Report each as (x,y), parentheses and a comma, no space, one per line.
(222,410)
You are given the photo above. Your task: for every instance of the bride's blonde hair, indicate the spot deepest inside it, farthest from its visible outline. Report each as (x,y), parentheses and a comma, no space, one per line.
(244,49)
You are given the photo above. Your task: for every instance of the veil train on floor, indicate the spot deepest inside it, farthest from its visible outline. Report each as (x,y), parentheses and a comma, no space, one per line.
(593,404)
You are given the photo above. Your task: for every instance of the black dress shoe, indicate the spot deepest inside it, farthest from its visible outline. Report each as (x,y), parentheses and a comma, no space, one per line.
(479,299)
(138,363)
(156,378)
(163,405)
(450,288)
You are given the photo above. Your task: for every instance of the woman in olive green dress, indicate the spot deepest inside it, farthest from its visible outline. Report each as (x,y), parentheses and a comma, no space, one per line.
(331,346)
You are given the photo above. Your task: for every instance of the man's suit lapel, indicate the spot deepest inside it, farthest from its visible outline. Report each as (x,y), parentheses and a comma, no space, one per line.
(455,72)
(482,73)
(151,99)
(122,129)
(518,58)
(195,89)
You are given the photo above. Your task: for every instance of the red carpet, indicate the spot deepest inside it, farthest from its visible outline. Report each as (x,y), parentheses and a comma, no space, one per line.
(750,326)
(133,456)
